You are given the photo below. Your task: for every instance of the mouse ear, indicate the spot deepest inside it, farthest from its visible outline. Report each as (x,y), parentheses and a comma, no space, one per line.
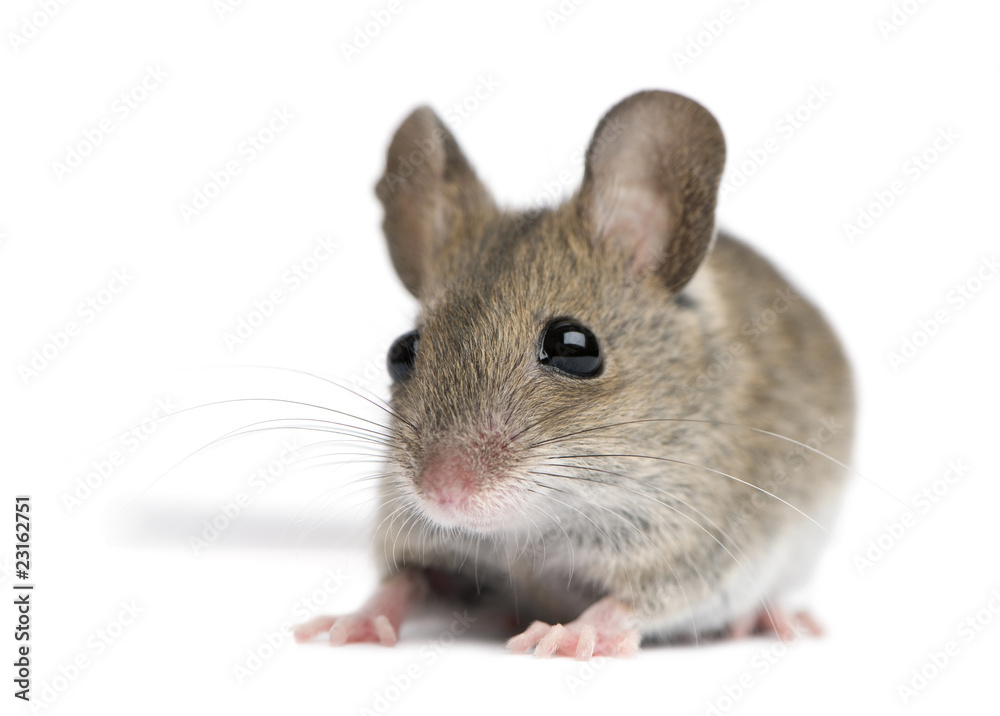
(651,183)
(429,192)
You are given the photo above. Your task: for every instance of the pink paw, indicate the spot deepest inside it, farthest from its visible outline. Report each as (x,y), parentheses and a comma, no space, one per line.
(602,630)
(581,641)
(378,621)
(351,629)
(787,626)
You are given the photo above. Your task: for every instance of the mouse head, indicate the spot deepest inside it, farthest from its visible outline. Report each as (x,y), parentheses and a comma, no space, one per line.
(537,329)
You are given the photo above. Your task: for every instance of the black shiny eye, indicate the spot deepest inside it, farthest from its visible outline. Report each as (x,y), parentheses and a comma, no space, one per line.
(402,355)
(570,348)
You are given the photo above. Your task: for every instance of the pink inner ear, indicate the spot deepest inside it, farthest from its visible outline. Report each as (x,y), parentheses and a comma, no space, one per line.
(635,220)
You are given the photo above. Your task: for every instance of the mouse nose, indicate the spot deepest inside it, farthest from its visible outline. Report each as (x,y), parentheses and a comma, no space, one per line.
(447,479)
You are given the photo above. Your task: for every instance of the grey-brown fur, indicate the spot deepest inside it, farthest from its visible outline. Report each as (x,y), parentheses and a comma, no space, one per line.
(693,551)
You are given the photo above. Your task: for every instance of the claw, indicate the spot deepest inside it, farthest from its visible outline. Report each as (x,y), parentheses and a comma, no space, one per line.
(342,629)
(385,631)
(550,643)
(785,625)
(378,622)
(627,644)
(305,632)
(603,630)
(588,640)
(523,642)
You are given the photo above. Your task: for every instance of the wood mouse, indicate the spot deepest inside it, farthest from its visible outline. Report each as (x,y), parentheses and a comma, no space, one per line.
(625,420)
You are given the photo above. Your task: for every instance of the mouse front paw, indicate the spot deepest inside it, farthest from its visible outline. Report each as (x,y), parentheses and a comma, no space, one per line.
(787,626)
(358,628)
(378,621)
(602,630)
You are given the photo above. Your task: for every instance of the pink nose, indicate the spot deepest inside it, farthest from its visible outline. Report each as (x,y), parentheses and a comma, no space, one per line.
(447,479)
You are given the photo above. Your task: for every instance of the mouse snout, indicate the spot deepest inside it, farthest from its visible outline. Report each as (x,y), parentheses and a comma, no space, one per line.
(448,480)
(468,482)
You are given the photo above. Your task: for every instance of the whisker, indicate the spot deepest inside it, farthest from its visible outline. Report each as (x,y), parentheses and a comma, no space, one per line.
(702,467)
(383,506)
(468,548)
(628,576)
(703,529)
(413,513)
(232,434)
(760,431)
(668,493)
(316,522)
(378,527)
(475,572)
(289,423)
(395,513)
(378,402)
(588,518)
(201,406)
(569,540)
(370,460)
(531,541)
(410,531)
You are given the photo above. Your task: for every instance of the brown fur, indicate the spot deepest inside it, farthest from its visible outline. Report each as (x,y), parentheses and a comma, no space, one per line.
(688,547)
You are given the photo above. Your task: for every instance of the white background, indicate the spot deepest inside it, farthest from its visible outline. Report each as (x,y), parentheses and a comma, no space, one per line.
(161,337)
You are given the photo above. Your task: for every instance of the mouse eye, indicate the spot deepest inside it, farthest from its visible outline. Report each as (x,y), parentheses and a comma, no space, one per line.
(570,348)
(402,355)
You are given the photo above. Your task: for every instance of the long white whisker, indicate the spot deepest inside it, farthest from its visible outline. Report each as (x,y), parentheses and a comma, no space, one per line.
(760,431)
(702,467)
(677,579)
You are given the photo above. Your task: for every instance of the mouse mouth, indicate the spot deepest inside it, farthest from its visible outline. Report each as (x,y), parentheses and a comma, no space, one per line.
(479,514)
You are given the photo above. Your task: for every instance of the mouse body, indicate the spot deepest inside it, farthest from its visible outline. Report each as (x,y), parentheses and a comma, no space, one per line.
(628,422)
